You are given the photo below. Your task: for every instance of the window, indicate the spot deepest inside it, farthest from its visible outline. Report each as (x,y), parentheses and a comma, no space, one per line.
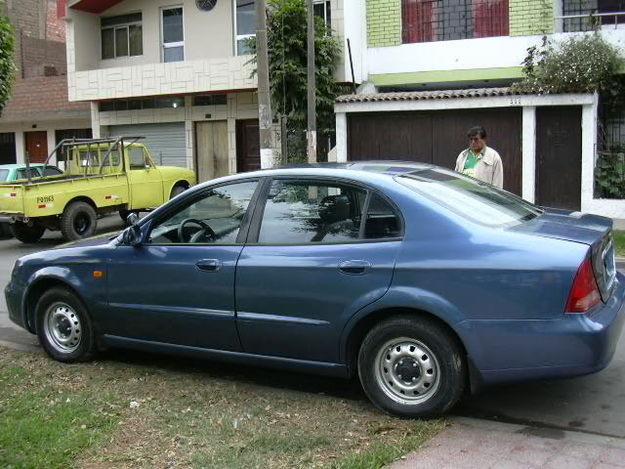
(173,34)
(323,10)
(381,220)
(216,218)
(444,20)
(469,198)
(210,100)
(4,173)
(23,173)
(137,157)
(245,25)
(302,213)
(51,171)
(122,36)
(580,15)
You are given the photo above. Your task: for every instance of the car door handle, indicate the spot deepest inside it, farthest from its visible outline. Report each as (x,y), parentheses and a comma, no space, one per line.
(208,265)
(354,267)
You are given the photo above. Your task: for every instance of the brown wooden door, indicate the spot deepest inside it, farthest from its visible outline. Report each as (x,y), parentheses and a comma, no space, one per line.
(248,146)
(436,137)
(559,156)
(211,150)
(37,146)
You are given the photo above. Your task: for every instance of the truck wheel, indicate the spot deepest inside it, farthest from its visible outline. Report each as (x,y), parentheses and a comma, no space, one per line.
(411,367)
(5,231)
(78,221)
(64,327)
(27,234)
(123,214)
(177,190)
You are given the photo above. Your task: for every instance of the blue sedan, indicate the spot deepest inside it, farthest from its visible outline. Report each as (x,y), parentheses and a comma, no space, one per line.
(423,282)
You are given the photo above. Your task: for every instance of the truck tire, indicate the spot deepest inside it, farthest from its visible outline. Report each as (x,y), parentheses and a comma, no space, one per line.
(177,190)
(27,234)
(5,231)
(78,221)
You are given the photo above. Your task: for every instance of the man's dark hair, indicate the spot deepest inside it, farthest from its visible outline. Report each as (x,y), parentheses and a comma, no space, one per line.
(478,131)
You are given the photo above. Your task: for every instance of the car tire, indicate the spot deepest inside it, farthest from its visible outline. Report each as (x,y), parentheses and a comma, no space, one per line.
(78,221)
(64,327)
(177,190)
(123,214)
(410,366)
(28,234)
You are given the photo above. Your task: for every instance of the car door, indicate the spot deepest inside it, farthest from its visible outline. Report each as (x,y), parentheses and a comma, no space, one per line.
(315,255)
(146,182)
(178,286)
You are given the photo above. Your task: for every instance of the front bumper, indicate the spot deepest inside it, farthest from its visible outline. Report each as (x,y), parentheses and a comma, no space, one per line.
(572,345)
(13,297)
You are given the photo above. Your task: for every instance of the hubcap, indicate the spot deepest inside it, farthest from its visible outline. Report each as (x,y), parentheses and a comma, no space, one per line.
(81,223)
(62,327)
(407,371)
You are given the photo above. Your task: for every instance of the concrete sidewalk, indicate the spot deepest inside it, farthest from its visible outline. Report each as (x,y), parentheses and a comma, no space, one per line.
(472,443)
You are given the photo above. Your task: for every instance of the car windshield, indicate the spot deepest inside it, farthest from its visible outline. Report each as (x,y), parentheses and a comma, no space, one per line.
(4,173)
(470,198)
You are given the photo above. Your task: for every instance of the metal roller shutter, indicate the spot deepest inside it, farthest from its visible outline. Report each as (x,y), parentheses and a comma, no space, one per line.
(166,142)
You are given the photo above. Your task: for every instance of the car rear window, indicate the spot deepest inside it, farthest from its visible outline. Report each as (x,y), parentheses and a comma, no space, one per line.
(470,198)
(4,173)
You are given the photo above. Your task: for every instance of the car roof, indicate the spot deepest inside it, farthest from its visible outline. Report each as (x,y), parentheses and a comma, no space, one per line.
(19,165)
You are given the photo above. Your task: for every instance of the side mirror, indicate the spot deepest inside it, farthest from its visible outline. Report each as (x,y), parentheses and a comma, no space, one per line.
(132,219)
(132,236)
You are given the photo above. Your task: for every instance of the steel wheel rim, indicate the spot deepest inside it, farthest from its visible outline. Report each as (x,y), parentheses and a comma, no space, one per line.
(407,371)
(81,223)
(62,327)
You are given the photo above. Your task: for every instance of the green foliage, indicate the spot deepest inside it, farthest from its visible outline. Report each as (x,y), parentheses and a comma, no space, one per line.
(610,173)
(7,67)
(287,40)
(586,64)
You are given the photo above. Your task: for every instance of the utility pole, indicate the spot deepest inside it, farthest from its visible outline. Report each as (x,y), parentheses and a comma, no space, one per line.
(312,88)
(264,96)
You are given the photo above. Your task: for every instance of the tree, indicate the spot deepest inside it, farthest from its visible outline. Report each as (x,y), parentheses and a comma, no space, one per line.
(7,67)
(286,34)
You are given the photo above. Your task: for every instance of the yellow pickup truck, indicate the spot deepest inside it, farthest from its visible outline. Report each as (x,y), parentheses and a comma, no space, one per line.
(100,176)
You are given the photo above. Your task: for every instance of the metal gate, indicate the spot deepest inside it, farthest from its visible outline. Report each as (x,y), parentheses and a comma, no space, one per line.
(7,148)
(436,137)
(166,142)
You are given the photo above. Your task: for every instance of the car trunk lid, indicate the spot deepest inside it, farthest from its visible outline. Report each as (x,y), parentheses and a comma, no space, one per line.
(592,230)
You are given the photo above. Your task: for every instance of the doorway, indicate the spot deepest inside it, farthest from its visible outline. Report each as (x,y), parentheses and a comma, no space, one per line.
(211,145)
(36,146)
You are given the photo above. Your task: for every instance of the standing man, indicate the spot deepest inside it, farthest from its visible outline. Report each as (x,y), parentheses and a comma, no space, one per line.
(480,161)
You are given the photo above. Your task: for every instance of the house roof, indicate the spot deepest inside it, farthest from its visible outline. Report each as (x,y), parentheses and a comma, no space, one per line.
(93,6)
(425,95)
(42,98)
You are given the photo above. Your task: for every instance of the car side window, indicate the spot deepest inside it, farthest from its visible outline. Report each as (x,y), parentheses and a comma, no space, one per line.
(23,173)
(301,212)
(382,220)
(216,218)
(137,158)
(51,171)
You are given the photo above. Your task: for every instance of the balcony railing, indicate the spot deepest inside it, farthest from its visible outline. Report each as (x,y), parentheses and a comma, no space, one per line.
(444,20)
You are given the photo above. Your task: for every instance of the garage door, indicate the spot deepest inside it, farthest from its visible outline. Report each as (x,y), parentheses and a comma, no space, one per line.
(166,142)
(436,137)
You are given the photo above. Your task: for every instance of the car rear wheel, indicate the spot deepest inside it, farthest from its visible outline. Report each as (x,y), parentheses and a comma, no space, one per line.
(78,221)
(63,326)
(411,367)
(26,233)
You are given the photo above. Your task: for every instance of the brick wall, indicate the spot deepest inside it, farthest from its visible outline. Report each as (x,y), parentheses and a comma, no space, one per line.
(383,23)
(528,17)
(40,37)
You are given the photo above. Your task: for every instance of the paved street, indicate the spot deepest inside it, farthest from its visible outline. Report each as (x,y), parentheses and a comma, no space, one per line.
(591,404)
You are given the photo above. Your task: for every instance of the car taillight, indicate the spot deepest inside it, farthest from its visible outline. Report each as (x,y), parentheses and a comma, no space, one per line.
(585,292)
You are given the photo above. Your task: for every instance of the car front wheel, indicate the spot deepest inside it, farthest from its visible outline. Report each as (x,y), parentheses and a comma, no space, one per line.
(411,367)
(64,327)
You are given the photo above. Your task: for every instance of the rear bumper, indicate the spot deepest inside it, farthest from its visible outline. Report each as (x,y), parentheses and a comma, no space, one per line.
(519,350)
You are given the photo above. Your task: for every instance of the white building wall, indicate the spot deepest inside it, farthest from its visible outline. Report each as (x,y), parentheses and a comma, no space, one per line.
(465,54)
